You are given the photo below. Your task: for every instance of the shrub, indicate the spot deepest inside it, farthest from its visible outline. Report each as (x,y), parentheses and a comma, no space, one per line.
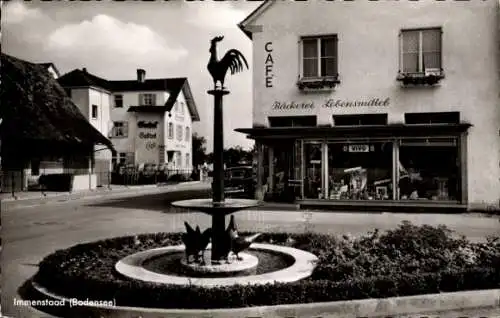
(372,266)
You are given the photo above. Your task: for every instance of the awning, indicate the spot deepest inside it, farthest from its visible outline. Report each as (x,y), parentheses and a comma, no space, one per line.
(374,131)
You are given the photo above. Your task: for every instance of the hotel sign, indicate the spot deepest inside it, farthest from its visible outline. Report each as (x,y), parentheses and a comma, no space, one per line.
(332,103)
(147,124)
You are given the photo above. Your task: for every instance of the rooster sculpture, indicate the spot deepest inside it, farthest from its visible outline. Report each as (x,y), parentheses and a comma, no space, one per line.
(233,60)
(196,243)
(239,243)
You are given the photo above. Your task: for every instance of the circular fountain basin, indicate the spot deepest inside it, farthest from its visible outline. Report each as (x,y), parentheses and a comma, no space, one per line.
(209,207)
(304,262)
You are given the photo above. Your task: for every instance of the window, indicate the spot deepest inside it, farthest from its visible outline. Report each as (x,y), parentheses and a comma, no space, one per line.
(359,170)
(94,111)
(188,163)
(421,51)
(429,169)
(147,100)
(355,120)
(292,121)
(120,129)
(118,100)
(170,131)
(432,118)
(176,107)
(179,132)
(181,108)
(188,134)
(319,57)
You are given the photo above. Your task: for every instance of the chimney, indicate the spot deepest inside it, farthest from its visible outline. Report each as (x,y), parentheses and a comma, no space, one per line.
(84,70)
(141,75)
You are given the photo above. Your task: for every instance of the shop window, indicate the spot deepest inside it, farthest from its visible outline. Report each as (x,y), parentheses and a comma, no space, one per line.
(94,111)
(119,101)
(319,60)
(432,118)
(120,129)
(359,171)
(313,172)
(420,56)
(170,131)
(429,169)
(292,121)
(355,120)
(147,99)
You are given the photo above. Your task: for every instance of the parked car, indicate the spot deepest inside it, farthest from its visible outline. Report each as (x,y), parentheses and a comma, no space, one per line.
(240,181)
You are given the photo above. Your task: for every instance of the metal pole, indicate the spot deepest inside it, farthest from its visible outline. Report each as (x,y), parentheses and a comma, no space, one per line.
(218,219)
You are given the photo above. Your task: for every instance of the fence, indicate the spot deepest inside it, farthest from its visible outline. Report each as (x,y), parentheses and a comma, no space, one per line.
(12,181)
(136,177)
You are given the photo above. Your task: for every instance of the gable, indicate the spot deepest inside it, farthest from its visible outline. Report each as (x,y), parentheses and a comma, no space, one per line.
(246,24)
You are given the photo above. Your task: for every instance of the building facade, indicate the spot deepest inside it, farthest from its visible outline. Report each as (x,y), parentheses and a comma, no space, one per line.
(149,121)
(378,102)
(59,146)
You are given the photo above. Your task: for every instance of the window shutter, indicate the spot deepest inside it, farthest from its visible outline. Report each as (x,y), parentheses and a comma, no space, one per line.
(300,72)
(153,99)
(110,129)
(400,39)
(125,129)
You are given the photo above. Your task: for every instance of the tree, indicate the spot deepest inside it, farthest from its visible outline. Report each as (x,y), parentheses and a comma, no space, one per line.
(199,150)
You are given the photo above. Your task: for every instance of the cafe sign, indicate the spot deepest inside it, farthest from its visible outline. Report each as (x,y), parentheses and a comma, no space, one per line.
(331,103)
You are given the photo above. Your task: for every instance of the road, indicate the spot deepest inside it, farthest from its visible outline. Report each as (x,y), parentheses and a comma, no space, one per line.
(31,232)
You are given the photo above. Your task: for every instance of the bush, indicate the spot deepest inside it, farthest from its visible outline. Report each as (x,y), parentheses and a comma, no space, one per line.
(372,266)
(177,178)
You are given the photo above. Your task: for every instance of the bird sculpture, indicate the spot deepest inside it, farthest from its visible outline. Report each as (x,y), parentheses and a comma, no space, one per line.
(195,243)
(239,243)
(233,60)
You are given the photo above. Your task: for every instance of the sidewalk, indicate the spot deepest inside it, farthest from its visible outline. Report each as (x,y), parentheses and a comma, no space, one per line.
(99,192)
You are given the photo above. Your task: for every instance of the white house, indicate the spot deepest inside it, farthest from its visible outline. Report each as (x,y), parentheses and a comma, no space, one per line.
(149,121)
(378,103)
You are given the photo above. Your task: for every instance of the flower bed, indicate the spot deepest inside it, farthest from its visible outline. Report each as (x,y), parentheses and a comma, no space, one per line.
(409,260)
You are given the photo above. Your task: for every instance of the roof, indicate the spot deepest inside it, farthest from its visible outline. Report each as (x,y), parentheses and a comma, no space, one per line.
(82,78)
(49,65)
(35,108)
(364,132)
(254,15)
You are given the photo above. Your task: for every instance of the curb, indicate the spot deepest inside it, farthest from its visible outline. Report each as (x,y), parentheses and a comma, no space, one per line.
(67,196)
(367,308)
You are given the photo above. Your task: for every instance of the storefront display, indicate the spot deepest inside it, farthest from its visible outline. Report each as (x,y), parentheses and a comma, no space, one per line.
(427,169)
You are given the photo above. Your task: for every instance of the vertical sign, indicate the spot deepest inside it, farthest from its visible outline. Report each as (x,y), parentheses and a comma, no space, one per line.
(269,64)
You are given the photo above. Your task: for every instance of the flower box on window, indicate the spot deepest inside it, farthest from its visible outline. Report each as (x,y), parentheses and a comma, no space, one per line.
(429,77)
(321,83)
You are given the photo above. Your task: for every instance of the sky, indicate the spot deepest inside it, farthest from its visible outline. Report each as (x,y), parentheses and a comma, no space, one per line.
(166,38)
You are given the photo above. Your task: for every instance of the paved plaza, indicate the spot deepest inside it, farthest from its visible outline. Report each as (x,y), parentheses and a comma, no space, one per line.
(31,232)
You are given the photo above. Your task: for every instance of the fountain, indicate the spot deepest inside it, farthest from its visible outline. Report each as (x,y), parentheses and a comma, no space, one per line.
(218,207)
(192,266)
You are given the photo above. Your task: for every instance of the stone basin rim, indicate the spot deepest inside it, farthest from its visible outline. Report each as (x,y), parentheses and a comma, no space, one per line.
(305,262)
